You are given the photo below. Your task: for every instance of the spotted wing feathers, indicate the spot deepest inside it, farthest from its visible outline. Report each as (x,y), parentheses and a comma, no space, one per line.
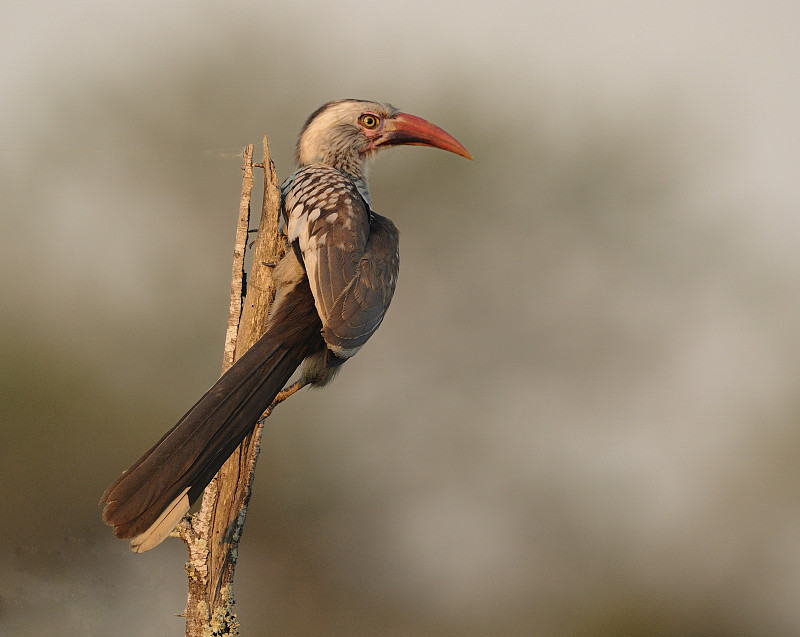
(349,252)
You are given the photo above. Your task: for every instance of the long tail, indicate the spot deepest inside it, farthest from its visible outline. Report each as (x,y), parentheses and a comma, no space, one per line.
(150,498)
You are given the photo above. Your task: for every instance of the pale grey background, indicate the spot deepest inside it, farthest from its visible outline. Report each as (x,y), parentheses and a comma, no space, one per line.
(581,414)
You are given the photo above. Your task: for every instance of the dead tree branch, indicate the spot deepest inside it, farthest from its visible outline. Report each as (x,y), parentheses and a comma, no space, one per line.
(212,535)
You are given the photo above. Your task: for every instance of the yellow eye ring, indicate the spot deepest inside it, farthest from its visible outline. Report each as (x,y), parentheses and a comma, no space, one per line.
(370,121)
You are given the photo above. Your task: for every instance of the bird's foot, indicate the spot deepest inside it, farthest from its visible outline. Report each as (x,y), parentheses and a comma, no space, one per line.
(287,391)
(283,394)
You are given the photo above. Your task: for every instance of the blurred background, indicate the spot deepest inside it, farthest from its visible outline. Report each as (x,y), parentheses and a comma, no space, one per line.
(581,415)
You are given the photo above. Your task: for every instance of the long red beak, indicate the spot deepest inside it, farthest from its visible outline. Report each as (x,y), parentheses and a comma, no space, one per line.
(411,130)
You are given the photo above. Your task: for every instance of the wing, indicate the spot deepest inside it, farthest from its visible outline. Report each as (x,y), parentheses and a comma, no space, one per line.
(349,252)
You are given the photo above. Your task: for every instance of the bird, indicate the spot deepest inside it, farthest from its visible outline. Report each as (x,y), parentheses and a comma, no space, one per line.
(333,288)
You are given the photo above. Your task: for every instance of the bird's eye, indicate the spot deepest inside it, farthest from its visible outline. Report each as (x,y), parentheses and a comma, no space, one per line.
(369,121)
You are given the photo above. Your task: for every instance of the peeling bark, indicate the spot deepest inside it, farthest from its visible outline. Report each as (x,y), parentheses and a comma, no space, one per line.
(212,534)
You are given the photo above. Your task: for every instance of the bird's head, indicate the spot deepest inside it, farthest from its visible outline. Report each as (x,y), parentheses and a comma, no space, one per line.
(344,133)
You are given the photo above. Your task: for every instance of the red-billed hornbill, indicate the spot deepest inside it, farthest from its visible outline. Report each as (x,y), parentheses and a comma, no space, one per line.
(333,288)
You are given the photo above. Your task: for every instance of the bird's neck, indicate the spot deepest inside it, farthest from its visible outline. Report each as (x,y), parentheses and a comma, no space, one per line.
(363,187)
(338,147)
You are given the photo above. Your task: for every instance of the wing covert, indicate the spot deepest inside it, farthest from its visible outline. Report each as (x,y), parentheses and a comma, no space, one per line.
(349,252)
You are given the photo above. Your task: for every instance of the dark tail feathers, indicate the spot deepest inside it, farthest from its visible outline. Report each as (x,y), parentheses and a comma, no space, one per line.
(152,496)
